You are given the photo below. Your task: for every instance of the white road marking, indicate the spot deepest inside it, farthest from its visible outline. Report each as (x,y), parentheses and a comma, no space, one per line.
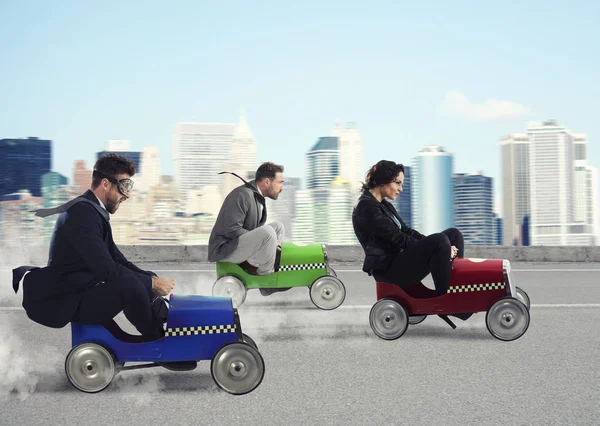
(360,270)
(534,305)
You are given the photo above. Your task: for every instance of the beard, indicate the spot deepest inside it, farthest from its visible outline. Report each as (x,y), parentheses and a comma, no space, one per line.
(113,205)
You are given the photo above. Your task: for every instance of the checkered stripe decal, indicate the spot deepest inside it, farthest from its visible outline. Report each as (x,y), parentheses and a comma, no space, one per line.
(302,267)
(475,287)
(209,329)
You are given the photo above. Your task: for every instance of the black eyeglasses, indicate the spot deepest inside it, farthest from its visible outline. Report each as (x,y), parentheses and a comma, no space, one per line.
(124,185)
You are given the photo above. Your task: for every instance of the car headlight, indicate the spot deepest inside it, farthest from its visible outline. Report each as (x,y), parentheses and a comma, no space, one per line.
(506,266)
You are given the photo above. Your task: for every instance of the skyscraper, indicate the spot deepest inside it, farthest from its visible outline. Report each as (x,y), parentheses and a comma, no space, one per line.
(403,203)
(22,164)
(351,153)
(432,190)
(473,208)
(200,152)
(284,208)
(82,177)
(151,170)
(122,148)
(514,150)
(243,157)
(552,167)
(323,163)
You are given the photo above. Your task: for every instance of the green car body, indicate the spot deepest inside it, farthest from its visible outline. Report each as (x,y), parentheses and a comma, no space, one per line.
(299,266)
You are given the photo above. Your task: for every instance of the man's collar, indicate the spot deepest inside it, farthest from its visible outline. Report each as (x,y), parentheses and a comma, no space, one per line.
(100,201)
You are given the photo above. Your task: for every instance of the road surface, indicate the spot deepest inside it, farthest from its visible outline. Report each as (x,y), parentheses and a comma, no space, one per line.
(329,368)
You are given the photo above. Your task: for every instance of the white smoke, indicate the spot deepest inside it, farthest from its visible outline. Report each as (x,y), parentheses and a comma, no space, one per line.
(21,368)
(140,386)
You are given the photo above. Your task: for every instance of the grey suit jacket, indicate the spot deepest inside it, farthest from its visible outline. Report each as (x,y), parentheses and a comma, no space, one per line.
(239,214)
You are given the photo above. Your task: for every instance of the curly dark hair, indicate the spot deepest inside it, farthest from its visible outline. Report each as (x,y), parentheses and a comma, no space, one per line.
(268,170)
(112,165)
(382,173)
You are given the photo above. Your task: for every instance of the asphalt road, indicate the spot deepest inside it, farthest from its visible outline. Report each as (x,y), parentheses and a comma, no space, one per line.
(329,368)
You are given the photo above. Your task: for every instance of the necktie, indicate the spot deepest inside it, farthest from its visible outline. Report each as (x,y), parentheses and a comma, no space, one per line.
(64,207)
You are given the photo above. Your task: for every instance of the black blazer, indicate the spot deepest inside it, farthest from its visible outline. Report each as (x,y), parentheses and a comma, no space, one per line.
(378,233)
(82,254)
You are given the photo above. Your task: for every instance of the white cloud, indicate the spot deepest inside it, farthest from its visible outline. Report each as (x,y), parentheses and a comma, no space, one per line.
(457,104)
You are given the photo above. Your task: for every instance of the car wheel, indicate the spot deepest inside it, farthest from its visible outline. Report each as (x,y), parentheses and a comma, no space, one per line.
(327,292)
(250,341)
(90,367)
(416,319)
(237,368)
(523,297)
(388,319)
(507,319)
(231,287)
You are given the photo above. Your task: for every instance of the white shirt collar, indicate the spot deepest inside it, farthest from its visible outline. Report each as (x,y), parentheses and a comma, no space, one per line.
(100,201)
(259,191)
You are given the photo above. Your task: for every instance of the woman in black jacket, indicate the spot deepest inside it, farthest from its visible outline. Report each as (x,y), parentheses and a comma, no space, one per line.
(394,252)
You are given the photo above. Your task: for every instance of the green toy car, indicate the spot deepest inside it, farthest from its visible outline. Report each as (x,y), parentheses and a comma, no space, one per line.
(298,266)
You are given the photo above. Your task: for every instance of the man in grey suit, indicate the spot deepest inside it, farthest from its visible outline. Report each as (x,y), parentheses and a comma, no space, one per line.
(240,234)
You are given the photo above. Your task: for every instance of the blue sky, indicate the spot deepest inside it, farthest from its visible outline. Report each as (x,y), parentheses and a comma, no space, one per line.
(81,73)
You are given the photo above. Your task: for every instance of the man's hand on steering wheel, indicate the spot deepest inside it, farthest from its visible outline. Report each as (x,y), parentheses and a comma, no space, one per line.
(162,286)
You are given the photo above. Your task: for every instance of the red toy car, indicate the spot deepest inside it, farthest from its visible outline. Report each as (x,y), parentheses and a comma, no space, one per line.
(476,285)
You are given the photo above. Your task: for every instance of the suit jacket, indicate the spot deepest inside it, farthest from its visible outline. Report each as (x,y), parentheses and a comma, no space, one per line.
(240,213)
(82,255)
(379,234)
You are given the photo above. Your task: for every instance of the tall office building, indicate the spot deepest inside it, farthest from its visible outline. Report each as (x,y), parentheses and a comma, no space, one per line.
(325,215)
(200,152)
(514,150)
(497,230)
(82,177)
(473,208)
(123,148)
(552,167)
(55,191)
(351,160)
(323,163)
(284,208)
(432,190)
(22,164)
(403,203)
(243,157)
(151,170)
(585,191)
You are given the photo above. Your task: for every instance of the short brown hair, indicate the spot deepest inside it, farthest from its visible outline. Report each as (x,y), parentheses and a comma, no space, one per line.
(268,170)
(112,165)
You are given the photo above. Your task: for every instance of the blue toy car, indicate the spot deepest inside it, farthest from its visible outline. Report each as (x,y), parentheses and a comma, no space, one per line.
(197,328)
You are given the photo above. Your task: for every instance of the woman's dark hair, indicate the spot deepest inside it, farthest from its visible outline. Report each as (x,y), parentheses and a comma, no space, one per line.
(382,173)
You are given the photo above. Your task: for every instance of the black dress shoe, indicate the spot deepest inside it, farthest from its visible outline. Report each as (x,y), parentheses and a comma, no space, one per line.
(250,269)
(270,291)
(463,317)
(179,365)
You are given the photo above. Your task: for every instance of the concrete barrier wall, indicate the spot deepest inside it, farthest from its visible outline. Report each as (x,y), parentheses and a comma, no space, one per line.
(339,254)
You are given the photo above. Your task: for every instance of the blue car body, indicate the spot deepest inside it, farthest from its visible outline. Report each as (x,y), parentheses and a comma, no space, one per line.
(197,327)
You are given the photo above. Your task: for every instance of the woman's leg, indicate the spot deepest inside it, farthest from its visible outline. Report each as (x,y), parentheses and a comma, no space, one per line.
(456,240)
(429,255)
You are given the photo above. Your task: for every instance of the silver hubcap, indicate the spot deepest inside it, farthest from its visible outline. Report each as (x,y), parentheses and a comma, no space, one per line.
(230,287)
(508,319)
(328,293)
(90,367)
(238,368)
(388,319)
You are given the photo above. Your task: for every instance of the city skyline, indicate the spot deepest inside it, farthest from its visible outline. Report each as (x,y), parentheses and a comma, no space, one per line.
(463,85)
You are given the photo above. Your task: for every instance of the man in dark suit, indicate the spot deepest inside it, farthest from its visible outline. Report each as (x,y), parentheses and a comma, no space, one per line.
(88,279)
